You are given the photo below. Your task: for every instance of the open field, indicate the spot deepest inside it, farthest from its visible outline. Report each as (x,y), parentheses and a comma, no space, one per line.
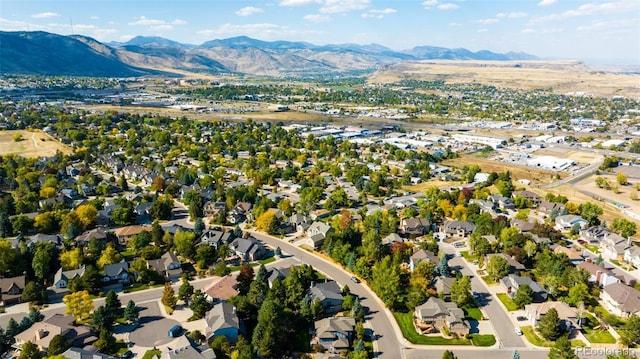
(560,76)
(575,155)
(536,176)
(32,144)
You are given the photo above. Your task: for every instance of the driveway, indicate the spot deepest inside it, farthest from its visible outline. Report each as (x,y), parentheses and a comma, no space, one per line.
(154,328)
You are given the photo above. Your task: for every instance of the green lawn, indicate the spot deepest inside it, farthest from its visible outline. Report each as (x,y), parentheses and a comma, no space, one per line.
(487,279)
(405,321)
(469,257)
(599,336)
(151,354)
(267,260)
(472,312)
(533,338)
(508,302)
(483,340)
(592,248)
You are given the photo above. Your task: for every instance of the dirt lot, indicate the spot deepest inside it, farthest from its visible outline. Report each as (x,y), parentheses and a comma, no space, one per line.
(536,176)
(576,155)
(561,76)
(33,144)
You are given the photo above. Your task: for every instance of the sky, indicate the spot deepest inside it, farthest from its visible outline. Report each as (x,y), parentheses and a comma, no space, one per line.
(597,32)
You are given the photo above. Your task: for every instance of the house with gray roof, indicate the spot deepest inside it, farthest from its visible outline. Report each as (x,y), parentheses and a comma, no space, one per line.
(216,238)
(222,319)
(329,294)
(335,334)
(77,353)
(514,265)
(117,273)
(457,229)
(443,285)
(11,289)
(566,222)
(414,226)
(184,348)
(511,283)
(613,245)
(61,278)
(99,233)
(318,232)
(549,208)
(436,314)
(422,255)
(249,249)
(620,299)
(391,239)
(167,266)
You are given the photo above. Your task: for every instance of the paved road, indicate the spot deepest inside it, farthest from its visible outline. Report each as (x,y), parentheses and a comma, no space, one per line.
(387,344)
(502,324)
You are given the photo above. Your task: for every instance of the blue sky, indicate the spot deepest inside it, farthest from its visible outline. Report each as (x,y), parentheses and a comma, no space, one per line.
(606,32)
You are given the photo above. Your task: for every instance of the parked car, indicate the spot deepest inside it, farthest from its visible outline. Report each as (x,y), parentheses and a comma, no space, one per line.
(355,279)
(518,331)
(127,355)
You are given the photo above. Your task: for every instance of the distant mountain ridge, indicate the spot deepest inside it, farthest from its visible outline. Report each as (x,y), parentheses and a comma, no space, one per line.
(30,53)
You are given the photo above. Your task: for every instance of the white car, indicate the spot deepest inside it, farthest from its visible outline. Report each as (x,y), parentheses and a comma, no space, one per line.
(518,331)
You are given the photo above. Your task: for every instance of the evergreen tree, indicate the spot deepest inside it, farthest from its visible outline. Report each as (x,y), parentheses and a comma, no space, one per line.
(106,342)
(12,328)
(35,315)
(157,234)
(29,351)
(442,269)
(259,287)
(58,345)
(269,337)
(111,302)
(523,296)
(186,290)
(448,355)
(103,318)
(200,305)
(550,326)
(199,227)
(562,349)
(169,296)
(131,312)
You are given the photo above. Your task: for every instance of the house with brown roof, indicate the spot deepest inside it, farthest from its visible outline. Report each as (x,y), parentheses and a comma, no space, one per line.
(598,274)
(11,290)
(574,256)
(335,334)
(549,208)
(443,286)
(568,316)
(457,229)
(221,288)
(41,333)
(422,255)
(532,197)
(620,299)
(436,314)
(98,233)
(414,226)
(514,265)
(125,233)
(168,266)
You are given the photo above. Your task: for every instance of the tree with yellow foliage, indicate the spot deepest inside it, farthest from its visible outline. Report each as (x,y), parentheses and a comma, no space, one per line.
(268,222)
(79,304)
(71,259)
(110,255)
(88,215)
(48,192)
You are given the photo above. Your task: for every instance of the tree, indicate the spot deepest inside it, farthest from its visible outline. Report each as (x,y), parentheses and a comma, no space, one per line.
(57,345)
(624,227)
(157,233)
(550,326)
(268,222)
(199,226)
(111,302)
(71,259)
(386,281)
(131,312)
(29,351)
(110,255)
(442,269)
(621,178)
(199,305)
(244,279)
(631,332)
(578,293)
(169,296)
(106,342)
(43,254)
(87,215)
(562,349)
(34,292)
(184,243)
(448,355)
(103,318)
(8,256)
(497,267)
(186,290)
(161,208)
(17,137)
(590,212)
(35,315)
(523,296)
(461,291)
(79,304)
(268,336)
(221,269)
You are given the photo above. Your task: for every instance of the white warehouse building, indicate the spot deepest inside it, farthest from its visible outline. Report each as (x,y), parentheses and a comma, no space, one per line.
(489,141)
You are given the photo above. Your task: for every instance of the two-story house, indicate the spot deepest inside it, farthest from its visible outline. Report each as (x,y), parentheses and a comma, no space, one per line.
(335,334)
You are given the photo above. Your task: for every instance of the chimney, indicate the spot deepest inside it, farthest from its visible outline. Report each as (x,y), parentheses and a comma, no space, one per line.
(39,334)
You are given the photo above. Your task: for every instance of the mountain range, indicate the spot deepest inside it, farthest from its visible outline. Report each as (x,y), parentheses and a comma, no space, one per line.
(51,54)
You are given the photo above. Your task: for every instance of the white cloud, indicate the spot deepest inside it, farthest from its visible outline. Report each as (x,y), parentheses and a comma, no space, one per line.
(546,2)
(142,20)
(164,27)
(317,18)
(298,2)
(592,9)
(249,10)
(614,26)
(45,15)
(543,30)
(511,15)
(430,3)
(263,31)
(378,14)
(340,6)
(448,6)
(487,21)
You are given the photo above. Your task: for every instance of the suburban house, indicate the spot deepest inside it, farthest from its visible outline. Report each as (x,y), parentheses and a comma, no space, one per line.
(249,249)
(549,208)
(335,334)
(414,226)
(117,273)
(514,266)
(11,290)
(329,294)
(391,239)
(299,223)
(216,238)
(125,233)
(632,256)
(318,232)
(77,353)
(222,320)
(620,299)
(529,196)
(574,256)
(168,266)
(443,287)
(436,314)
(221,288)
(522,225)
(594,234)
(278,273)
(566,222)
(485,205)
(215,209)
(184,348)
(511,283)
(41,333)
(568,316)
(457,229)
(598,274)
(422,255)
(504,203)
(98,233)
(61,278)
(613,246)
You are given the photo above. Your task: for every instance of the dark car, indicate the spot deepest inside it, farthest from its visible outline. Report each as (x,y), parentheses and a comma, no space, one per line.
(127,355)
